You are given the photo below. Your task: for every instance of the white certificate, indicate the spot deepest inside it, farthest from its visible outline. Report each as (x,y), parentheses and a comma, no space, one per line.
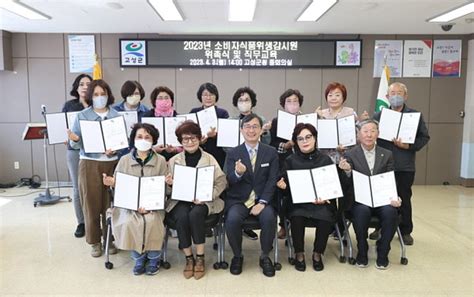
(56,126)
(384,188)
(409,126)
(91,134)
(184,183)
(362,192)
(126,191)
(158,123)
(71,118)
(389,123)
(115,133)
(170,130)
(346,130)
(205,183)
(285,124)
(131,118)
(152,192)
(310,118)
(301,186)
(327,134)
(327,183)
(189,117)
(207,119)
(228,133)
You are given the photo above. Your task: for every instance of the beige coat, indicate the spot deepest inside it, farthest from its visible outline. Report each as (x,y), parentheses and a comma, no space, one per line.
(132,230)
(220,181)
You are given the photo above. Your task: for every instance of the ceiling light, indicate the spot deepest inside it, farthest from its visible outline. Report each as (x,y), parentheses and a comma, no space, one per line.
(454,13)
(242,10)
(315,10)
(23,10)
(166,9)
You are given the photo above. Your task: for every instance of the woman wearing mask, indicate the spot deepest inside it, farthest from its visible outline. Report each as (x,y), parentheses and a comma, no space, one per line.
(208,95)
(141,161)
(190,216)
(162,100)
(79,92)
(291,100)
(94,195)
(132,93)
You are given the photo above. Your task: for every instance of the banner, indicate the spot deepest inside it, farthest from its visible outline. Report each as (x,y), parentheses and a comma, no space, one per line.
(81,53)
(417,58)
(389,52)
(447,58)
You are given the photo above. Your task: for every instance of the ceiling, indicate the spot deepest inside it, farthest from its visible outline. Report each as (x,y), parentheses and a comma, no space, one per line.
(210,17)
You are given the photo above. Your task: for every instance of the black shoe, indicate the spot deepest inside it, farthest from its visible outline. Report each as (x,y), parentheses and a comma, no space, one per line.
(267,266)
(80,230)
(236,265)
(382,263)
(375,235)
(250,234)
(209,232)
(407,239)
(362,262)
(318,265)
(300,265)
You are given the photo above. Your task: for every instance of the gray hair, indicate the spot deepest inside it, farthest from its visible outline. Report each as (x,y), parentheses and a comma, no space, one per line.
(365,122)
(400,85)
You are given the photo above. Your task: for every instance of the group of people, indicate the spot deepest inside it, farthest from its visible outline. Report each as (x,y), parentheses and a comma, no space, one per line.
(249,180)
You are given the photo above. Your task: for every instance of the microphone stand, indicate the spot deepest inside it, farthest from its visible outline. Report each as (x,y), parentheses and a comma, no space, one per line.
(47,198)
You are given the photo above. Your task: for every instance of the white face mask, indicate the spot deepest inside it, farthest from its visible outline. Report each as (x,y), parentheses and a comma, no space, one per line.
(99,102)
(244,106)
(133,100)
(143,145)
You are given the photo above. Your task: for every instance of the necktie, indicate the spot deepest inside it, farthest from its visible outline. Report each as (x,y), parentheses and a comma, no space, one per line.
(253,158)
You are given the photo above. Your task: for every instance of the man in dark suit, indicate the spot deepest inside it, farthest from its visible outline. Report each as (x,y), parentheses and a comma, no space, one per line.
(252,173)
(370,159)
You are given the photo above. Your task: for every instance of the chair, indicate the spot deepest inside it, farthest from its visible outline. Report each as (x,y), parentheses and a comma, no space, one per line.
(213,222)
(374,223)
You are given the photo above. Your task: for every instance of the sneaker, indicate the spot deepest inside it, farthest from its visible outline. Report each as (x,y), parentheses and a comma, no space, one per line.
(152,269)
(236,265)
(407,239)
(80,230)
(382,264)
(362,262)
(375,235)
(250,234)
(96,250)
(139,267)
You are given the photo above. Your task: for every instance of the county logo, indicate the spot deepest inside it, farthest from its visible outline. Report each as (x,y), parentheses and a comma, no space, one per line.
(134,49)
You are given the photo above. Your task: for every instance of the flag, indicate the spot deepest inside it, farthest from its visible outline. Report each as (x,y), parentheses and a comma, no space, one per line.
(382,100)
(97,71)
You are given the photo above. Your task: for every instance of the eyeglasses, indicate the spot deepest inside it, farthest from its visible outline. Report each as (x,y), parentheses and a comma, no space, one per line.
(244,100)
(189,139)
(208,95)
(305,138)
(251,127)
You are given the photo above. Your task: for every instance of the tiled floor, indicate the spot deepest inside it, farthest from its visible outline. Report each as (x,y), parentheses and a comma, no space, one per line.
(40,256)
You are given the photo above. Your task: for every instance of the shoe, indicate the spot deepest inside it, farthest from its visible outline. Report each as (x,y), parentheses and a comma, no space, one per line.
(250,234)
(362,262)
(282,233)
(112,248)
(139,267)
(318,265)
(80,230)
(334,235)
(300,265)
(96,250)
(209,233)
(188,271)
(382,264)
(153,266)
(375,235)
(407,239)
(199,267)
(236,265)
(267,267)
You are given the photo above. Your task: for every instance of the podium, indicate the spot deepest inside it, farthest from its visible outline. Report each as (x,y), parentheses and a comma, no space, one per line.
(35,131)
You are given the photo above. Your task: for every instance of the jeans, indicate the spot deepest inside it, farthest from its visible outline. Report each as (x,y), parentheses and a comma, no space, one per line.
(73,167)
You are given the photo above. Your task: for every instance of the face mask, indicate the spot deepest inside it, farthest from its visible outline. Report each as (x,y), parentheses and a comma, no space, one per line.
(164,105)
(99,102)
(133,100)
(245,106)
(396,101)
(292,107)
(143,145)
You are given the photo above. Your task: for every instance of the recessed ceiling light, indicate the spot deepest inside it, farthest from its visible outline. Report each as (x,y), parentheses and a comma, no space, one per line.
(23,10)
(166,9)
(242,10)
(316,10)
(453,13)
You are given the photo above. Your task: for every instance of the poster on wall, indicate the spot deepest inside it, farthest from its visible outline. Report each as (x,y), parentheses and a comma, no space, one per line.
(81,53)
(390,52)
(132,52)
(348,53)
(447,58)
(417,58)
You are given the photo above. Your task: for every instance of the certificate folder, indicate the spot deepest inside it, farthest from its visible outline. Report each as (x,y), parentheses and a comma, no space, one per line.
(376,190)
(190,184)
(57,124)
(308,185)
(286,122)
(133,192)
(228,133)
(334,132)
(99,136)
(167,128)
(394,124)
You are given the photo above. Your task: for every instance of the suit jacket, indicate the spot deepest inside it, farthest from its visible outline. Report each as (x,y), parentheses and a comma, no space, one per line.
(262,181)
(383,160)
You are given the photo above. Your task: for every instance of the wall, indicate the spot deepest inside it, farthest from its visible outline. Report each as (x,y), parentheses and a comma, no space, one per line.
(41,76)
